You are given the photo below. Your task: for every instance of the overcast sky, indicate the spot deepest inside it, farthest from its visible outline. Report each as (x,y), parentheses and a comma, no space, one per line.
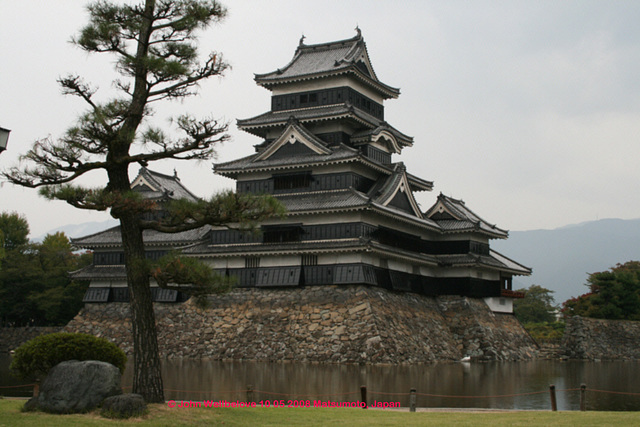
(529,111)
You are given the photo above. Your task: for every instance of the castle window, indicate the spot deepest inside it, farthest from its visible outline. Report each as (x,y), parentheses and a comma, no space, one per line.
(309,259)
(252,262)
(289,182)
(108,258)
(282,234)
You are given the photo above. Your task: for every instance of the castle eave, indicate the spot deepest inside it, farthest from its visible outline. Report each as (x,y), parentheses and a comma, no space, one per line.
(245,165)
(278,249)
(385,91)
(493,261)
(258,124)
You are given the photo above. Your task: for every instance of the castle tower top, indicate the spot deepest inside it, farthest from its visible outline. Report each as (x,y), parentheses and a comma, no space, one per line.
(338,58)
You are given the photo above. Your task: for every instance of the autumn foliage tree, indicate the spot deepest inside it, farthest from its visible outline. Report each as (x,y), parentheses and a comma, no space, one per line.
(154,44)
(613,294)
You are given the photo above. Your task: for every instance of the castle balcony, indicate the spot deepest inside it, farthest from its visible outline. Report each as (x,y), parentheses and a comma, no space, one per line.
(511,294)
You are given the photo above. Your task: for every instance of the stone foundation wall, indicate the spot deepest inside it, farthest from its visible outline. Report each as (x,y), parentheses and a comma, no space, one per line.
(346,324)
(12,338)
(483,334)
(598,339)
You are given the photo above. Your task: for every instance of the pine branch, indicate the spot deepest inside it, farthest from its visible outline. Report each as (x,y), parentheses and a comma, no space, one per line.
(73,85)
(190,275)
(223,210)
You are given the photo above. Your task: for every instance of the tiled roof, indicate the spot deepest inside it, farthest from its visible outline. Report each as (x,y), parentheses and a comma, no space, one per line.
(278,248)
(99,272)
(468,259)
(256,124)
(401,253)
(319,60)
(323,201)
(494,259)
(462,218)
(338,153)
(511,264)
(419,184)
(403,140)
(346,199)
(112,237)
(456,225)
(400,215)
(294,133)
(339,245)
(163,185)
(383,188)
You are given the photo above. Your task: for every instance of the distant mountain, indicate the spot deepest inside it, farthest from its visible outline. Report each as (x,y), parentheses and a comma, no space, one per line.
(82,229)
(563,258)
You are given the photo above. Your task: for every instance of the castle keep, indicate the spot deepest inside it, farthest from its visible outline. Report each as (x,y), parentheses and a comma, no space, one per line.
(327,153)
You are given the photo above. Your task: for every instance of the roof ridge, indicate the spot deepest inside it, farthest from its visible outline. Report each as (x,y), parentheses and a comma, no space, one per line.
(73,240)
(330,45)
(319,47)
(163,175)
(155,176)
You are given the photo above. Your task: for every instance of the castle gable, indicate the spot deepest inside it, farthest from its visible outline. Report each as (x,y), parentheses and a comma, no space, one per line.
(454,216)
(395,191)
(295,140)
(156,185)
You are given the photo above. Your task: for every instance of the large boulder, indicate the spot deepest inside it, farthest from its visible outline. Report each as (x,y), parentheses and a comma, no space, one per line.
(75,386)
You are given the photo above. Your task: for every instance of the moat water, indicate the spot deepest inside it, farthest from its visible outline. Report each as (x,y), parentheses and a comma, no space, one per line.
(611,386)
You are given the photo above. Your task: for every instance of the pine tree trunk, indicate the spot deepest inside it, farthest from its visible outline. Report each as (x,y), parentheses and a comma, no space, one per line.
(147,377)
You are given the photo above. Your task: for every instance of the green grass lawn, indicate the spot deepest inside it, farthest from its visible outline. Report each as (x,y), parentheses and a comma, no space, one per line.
(162,415)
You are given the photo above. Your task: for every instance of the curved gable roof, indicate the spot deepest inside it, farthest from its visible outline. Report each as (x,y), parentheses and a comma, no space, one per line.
(294,134)
(396,186)
(158,185)
(454,216)
(324,59)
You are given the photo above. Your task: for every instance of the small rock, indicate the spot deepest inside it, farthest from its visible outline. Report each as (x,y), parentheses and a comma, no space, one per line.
(123,406)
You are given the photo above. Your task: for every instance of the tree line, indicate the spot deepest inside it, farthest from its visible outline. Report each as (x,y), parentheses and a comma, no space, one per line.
(613,294)
(35,288)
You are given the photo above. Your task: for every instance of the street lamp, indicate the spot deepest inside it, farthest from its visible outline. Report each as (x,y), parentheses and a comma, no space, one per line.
(4,138)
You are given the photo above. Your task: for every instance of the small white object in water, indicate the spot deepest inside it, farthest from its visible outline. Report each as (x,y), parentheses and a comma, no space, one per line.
(466,359)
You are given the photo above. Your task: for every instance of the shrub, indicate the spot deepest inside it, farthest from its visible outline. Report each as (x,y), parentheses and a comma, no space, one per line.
(545,331)
(35,358)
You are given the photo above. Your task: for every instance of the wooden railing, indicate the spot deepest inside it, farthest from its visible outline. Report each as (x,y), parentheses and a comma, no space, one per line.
(511,294)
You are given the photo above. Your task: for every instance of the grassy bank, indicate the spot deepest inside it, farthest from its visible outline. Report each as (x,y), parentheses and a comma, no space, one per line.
(161,415)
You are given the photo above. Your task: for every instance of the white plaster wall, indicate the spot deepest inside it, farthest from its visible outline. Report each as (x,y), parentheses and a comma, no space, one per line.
(400,266)
(500,304)
(101,283)
(340,258)
(487,274)
(277,261)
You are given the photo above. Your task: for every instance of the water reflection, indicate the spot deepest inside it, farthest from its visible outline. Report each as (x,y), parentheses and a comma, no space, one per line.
(500,385)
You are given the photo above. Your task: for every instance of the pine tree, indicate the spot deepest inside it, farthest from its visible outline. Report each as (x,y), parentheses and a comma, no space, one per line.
(157,60)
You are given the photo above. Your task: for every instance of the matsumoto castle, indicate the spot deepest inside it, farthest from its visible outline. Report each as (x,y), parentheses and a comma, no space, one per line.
(325,151)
